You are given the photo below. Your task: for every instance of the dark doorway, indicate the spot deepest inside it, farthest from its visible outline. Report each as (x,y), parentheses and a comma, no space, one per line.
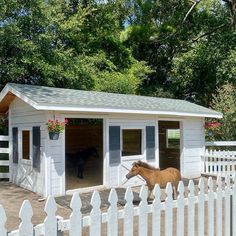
(84,153)
(169,144)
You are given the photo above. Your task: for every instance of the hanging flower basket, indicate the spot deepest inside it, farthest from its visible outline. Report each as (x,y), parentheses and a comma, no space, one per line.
(54,135)
(55,128)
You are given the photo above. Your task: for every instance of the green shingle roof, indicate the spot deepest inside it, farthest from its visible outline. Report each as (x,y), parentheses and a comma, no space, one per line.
(46,98)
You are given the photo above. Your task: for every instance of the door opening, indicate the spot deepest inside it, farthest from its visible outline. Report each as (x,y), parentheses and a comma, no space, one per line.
(169,144)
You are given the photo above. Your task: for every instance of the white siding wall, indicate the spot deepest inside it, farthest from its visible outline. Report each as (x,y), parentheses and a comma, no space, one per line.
(24,116)
(193,146)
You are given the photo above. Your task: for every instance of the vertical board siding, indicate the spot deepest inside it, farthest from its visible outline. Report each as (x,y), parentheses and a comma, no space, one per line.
(36,146)
(163,213)
(23,116)
(193,147)
(150,143)
(15,155)
(114,145)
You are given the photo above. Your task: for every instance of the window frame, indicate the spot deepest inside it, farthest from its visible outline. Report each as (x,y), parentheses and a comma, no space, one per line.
(133,157)
(20,149)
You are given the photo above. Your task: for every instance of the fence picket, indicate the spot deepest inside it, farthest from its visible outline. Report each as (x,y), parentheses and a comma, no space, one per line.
(26,213)
(50,222)
(227,206)
(210,208)
(95,215)
(234,204)
(219,207)
(201,208)
(128,213)
(75,217)
(143,217)
(156,211)
(112,226)
(3,217)
(169,210)
(191,208)
(180,209)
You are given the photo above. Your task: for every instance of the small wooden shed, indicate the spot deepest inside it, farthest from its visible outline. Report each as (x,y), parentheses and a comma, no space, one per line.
(122,128)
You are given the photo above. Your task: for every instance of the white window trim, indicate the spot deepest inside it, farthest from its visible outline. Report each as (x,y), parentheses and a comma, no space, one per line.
(143,147)
(25,161)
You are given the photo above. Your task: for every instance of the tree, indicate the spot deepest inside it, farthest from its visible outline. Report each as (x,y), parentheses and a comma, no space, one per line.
(224,101)
(72,44)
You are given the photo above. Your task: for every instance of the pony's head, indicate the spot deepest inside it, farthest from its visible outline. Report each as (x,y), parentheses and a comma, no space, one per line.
(134,171)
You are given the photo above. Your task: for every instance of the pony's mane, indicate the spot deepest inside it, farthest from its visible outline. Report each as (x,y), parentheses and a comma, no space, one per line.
(146,165)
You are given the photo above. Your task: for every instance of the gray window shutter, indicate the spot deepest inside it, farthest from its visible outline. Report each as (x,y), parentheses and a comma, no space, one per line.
(15,145)
(150,143)
(114,145)
(36,147)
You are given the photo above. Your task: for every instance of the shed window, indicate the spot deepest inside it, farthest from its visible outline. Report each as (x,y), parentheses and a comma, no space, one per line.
(26,144)
(131,142)
(173,138)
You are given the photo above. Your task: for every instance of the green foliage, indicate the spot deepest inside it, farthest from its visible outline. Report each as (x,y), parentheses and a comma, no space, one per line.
(224,101)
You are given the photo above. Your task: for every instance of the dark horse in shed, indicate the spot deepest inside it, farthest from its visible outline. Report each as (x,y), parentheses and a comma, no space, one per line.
(79,159)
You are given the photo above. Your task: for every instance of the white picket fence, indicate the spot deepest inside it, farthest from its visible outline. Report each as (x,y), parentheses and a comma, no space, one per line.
(4,162)
(216,162)
(219,162)
(188,213)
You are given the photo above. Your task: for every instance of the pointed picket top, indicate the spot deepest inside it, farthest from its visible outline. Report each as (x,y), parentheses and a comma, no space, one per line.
(201,185)
(181,188)
(26,211)
(112,199)
(169,190)
(143,193)
(210,184)
(95,200)
(51,206)
(76,203)
(3,217)
(26,214)
(157,192)
(191,188)
(129,195)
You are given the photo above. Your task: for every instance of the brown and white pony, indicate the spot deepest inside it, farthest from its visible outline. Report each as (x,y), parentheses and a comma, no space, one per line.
(154,176)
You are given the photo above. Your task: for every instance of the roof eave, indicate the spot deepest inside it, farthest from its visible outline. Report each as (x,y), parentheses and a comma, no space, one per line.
(125,111)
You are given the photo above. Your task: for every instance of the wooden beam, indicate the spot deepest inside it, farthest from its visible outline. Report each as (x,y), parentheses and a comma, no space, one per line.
(6,101)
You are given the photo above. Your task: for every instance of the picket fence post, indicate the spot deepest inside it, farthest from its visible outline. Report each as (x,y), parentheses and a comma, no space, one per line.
(50,222)
(25,214)
(234,204)
(191,208)
(95,215)
(227,206)
(143,217)
(3,217)
(156,211)
(210,207)
(219,206)
(201,206)
(180,209)
(169,210)
(75,217)
(128,213)
(112,224)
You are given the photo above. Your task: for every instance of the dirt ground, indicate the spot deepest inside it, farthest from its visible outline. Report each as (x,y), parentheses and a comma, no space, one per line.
(12,196)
